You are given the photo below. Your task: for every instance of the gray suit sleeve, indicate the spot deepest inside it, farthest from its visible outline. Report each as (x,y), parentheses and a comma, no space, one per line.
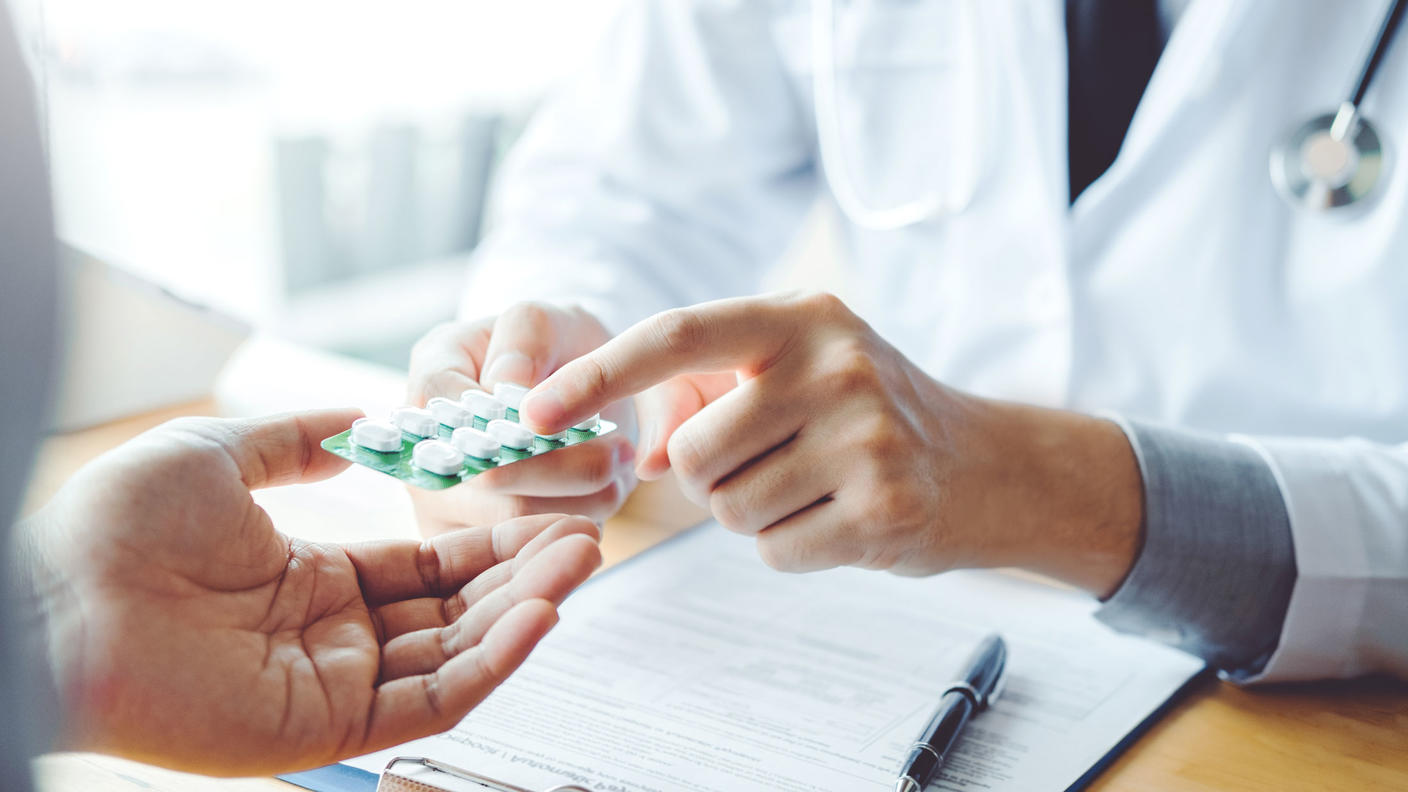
(1215,573)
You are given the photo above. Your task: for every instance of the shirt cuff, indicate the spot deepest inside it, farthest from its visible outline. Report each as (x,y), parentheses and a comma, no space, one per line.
(1346,614)
(1217,567)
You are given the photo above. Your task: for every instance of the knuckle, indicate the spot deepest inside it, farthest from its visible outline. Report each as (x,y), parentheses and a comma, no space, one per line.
(534,317)
(441,382)
(450,638)
(680,332)
(852,367)
(823,303)
(880,440)
(594,375)
(452,608)
(897,508)
(686,459)
(777,553)
(874,539)
(729,510)
(428,565)
(579,524)
(430,684)
(825,308)
(874,557)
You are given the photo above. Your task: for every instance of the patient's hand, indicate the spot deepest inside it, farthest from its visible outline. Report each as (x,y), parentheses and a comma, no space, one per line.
(184,630)
(522,345)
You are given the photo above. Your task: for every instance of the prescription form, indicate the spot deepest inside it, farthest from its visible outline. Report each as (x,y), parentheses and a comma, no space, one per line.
(696,668)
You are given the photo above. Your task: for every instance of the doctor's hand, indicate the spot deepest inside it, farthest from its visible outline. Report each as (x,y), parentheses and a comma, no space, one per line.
(793,421)
(184,630)
(522,345)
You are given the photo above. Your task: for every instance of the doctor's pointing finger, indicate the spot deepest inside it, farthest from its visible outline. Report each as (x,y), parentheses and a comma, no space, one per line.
(833,449)
(1180,216)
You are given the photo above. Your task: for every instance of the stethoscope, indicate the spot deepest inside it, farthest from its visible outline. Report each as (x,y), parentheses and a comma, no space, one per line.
(1336,160)
(1332,161)
(831,142)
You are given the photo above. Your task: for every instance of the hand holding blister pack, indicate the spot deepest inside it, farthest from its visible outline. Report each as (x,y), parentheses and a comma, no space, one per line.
(459,366)
(450,441)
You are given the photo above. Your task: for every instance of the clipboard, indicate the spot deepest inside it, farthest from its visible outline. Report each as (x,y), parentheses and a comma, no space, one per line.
(1165,673)
(422,774)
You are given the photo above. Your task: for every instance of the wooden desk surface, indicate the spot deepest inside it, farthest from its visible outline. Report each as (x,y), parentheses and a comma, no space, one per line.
(1324,736)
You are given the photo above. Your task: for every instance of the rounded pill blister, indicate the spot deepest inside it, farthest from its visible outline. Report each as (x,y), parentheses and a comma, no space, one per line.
(511,435)
(474,442)
(483,405)
(449,413)
(438,457)
(376,435)
(510,394)
(414,420)
(589,424)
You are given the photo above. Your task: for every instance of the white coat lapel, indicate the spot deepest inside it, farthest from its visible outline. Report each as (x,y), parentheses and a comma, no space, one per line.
(1196,57)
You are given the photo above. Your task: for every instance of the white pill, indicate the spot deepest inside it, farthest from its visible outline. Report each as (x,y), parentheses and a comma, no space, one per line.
(556,437)
(511,435)
(589,424)
(414,420)
(376,435)
(452,414)
(438,457)
(510,394)
(475,443)
(483,405)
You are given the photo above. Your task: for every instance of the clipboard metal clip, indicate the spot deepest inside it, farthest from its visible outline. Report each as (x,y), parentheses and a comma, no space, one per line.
(399,781)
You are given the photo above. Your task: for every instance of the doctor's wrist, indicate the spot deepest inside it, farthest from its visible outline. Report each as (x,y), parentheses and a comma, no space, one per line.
(1078,495)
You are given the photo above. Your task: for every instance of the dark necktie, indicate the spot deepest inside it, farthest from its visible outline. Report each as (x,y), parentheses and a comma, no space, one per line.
(1112,48)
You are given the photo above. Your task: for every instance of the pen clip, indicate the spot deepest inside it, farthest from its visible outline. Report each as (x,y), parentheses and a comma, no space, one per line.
(997,690)
(465,775)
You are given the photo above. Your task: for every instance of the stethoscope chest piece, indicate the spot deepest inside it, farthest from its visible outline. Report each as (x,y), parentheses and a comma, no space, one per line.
(1337,159)
(1331,161)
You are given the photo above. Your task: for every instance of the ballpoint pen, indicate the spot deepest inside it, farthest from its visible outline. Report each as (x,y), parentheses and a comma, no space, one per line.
(973,692)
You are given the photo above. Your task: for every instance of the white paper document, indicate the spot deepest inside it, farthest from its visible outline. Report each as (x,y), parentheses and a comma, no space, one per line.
(696,668)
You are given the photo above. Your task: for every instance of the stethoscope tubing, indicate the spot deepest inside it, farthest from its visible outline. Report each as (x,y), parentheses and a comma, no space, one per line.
(836,165)
(831,142)
(1381,43)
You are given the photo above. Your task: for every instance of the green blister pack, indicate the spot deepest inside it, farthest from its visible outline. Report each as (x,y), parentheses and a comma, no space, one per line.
(449,442)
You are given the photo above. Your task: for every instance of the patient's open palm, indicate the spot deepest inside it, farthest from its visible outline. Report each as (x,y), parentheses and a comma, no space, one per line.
(189,632)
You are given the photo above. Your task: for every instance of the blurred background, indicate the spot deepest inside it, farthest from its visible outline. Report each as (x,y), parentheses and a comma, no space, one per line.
(316,170)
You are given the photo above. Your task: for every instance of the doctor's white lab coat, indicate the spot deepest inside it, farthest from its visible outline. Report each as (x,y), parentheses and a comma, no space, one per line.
(1179,289)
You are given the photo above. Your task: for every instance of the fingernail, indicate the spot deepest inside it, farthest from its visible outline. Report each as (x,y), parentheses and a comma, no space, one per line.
(514,367)
(647,444)
(543,407)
